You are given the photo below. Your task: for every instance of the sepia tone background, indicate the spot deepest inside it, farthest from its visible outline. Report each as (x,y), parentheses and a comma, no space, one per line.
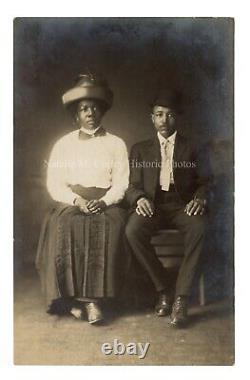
(137,56)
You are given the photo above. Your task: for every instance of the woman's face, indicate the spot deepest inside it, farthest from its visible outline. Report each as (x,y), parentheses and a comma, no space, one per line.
(89,114)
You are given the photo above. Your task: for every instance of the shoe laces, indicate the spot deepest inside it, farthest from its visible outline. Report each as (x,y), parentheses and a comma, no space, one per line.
(180,304)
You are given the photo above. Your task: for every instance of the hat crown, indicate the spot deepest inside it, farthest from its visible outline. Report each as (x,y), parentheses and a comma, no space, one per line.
(90,80)
(89,86)
(168,98)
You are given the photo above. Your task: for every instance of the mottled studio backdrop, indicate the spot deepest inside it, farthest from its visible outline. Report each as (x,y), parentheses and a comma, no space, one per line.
(136,55)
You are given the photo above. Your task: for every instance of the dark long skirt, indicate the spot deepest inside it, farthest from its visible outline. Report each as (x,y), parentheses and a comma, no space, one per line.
(81,255)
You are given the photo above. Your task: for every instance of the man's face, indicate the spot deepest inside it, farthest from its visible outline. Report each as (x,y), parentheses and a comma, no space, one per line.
(89,114)
(164,120)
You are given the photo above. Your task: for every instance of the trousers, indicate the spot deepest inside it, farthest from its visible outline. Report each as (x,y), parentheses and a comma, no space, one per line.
(169,212)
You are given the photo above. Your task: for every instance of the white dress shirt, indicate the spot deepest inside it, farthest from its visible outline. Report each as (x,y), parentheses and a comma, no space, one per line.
(100,161)
(167,151)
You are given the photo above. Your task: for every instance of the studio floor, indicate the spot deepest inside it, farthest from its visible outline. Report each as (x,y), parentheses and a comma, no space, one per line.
(42,339)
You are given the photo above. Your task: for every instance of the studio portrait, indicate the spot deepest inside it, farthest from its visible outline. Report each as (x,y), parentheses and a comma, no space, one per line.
(124,191)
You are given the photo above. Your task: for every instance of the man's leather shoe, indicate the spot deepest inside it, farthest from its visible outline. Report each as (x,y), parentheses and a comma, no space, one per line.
(178,316)
(94,312)
(163,306)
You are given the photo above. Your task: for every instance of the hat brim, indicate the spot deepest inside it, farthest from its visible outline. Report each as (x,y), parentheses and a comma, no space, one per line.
(97,93)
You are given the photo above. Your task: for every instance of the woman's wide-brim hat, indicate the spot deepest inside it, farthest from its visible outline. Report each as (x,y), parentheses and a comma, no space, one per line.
(89,87)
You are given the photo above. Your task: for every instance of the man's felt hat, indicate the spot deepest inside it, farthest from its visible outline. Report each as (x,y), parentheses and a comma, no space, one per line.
(89,86)
(168,98)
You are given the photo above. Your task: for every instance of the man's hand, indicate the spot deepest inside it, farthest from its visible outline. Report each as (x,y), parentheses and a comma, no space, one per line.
(82,204)
(195,207)
(96,206)
(145,207)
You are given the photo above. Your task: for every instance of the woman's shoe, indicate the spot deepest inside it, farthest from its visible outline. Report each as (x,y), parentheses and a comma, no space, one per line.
(77,313)
(94,312)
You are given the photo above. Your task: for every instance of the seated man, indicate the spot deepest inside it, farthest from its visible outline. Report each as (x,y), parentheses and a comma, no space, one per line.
(167,186)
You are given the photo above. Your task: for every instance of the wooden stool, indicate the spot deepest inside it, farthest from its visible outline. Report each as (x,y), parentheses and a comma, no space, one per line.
(168,244)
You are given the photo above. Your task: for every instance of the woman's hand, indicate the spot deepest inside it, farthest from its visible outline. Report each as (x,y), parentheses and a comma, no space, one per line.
(96,206)
(82,204)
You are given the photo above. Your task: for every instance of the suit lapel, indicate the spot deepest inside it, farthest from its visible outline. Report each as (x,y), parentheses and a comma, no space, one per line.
(155,150)
(179,148)
(154,157)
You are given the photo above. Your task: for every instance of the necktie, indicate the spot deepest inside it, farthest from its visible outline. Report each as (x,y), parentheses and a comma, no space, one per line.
(165,173)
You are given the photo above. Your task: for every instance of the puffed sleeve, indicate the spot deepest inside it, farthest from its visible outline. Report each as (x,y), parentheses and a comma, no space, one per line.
(120,174)
(57,174)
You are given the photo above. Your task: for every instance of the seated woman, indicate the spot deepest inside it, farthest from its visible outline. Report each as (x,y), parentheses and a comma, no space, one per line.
(80,249)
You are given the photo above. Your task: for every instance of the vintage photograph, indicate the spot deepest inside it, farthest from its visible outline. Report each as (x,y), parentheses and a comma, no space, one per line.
(124,191)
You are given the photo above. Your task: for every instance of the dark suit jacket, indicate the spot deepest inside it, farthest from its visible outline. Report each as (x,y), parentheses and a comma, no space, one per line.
(192,176)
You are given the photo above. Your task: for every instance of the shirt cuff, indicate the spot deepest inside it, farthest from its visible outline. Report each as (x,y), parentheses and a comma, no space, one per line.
(71,198)
(107,200)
